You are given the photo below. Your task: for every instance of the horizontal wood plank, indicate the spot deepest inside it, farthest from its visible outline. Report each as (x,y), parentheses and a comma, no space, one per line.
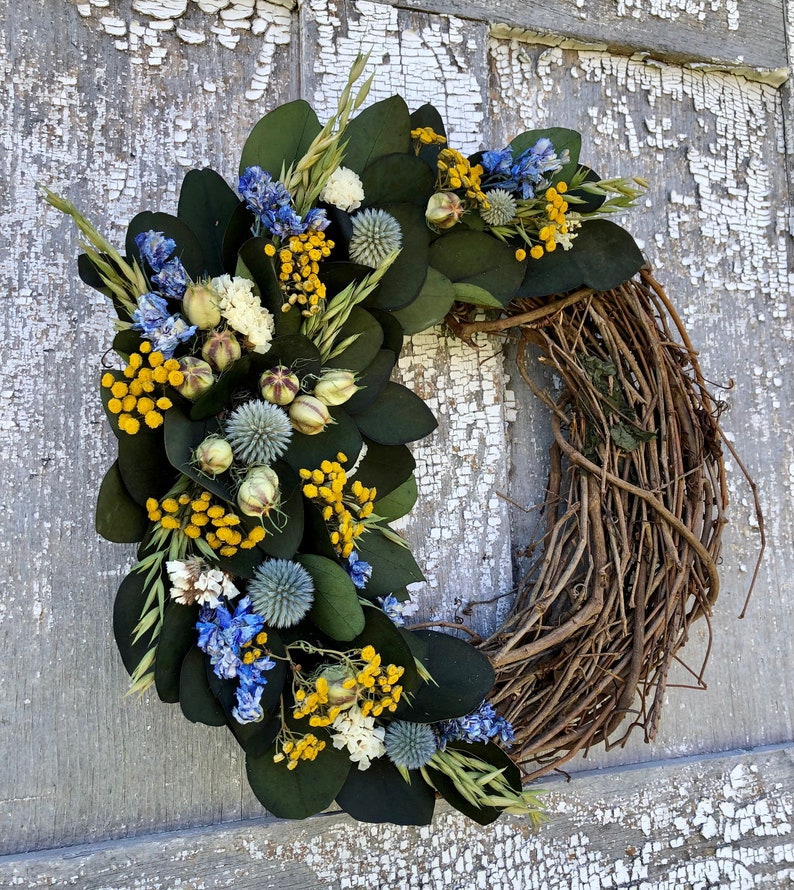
(750,34)
(694,823)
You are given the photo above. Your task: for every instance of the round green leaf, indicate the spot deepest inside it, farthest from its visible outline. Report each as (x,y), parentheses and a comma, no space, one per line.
(308,452)
(469,257)
(255,265)
(143,465)
(385,466)
(405,277)
(238,230)
(603,256)
(206,204)
(381,794)
(463,678)
(393,565)
(127,609)
(177,636)
(396,417)
(304,791)
(477,296)
(336,610)
(561,139)
(399,502)
(430,307)
(372,381)
(196,699)
(398,178)
(393,334)
(280,138)
(118,517)
(379,130)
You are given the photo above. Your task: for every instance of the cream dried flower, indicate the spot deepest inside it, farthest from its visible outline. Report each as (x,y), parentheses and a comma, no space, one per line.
(343,189)
(196,581)
(241,308)
(363,740)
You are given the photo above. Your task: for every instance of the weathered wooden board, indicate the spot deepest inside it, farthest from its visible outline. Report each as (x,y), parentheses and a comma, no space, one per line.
(724,822)
(748,34)
(110,106)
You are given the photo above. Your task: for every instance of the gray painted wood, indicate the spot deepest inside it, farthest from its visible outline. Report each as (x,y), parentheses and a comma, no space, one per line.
(721,822)
(110,106)
(748,34)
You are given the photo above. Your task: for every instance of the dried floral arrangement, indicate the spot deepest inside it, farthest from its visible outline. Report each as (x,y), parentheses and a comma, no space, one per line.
(262,454)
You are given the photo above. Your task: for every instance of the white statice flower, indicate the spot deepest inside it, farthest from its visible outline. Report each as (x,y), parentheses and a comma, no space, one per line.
(241,308)
(196,581)
(357,733)
(343,189)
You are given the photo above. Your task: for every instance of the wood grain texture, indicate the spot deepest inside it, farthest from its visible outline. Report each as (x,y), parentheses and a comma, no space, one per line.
(748,34)
(723,822)
(110,104)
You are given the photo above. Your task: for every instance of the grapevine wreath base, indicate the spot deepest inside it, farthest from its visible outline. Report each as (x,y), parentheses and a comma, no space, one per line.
(626,558)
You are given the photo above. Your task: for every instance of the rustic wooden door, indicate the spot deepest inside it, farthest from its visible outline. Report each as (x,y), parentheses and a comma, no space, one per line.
(109,101)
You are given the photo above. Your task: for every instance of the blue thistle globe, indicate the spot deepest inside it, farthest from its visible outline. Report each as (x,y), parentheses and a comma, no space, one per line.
(409,745)
(281,591)
(501,208)
(375,235)
(258,432)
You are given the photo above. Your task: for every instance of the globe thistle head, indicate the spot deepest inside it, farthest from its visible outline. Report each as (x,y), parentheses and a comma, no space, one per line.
(501,208)
(376,234)
(258,432)
(281,591)
(410,745)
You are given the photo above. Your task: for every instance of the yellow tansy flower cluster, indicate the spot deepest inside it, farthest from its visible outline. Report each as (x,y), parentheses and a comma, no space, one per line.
(426,136)
(299,264)
(556,207)
(251,651)
(198,517)
(378,687)
(138,396)
(455,172)
(343,511)
(312,702)
(297,748)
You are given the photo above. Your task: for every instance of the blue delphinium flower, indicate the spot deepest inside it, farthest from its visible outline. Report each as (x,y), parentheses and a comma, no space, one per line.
(395,609)
(316,220)
(498,163)
(163,330)
(224,636)
(171,280)
(360,572)
(531,166)
(481,725)
(155,248)
(282,222)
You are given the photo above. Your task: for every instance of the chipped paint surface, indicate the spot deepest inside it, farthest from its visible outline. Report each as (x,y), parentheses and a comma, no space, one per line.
(725,823)
(153,28)
(112,109)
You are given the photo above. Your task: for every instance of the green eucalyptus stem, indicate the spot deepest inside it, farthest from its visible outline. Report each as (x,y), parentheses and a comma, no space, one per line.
(124,281)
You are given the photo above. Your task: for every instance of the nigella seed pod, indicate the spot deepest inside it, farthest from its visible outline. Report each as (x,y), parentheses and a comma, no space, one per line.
(200,305)
(335,387)
(339,696)
(214,455)
(221,349)
(259,492)
(444,209)
(198,377)
(308,415)
(279,385)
